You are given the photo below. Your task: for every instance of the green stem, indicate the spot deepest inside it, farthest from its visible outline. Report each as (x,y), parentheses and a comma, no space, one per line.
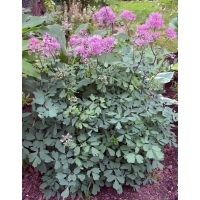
(135,69)
(164,44)
(141,90)
(153,54)
(41,70)
(90,76)
(127,27)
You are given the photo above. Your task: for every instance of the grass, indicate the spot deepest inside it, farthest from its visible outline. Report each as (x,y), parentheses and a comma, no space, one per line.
(143,10)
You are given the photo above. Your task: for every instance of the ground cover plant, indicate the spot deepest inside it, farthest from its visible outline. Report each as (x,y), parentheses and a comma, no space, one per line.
(98,115)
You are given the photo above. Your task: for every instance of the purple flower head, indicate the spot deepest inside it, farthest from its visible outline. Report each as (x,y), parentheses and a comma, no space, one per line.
(170,33)
(142,36)
(140,42)
(104,16)
(48,47)
(109,44)
(92,46)
(142,28)
(155,35)
(155,20)
(128,15)
(33,46)
(74,40)
(83,32)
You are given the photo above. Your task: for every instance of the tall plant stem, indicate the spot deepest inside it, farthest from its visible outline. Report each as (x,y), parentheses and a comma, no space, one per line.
(141,90)
(128,31)
(96,67)
(153,54)
(164,44)
(90,75)
(135,68)
(52,56)
(41,70)
(54,60)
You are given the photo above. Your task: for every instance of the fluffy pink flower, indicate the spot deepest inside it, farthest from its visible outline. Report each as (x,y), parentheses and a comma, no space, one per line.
(140,42)
(109,44)
(83,32)
(155,20)
(128,15)
(48,47)
(142,36)
(142,28)
(92,46)
(155,35)
(170,33)
(104,16)
(74,40)
(33,46)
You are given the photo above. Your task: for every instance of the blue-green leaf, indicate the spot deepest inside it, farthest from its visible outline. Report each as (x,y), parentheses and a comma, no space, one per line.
(139,159)
(95,152)
(65,193)
(39,97)
(130,157)
(77,151)
(116,185)
(57,164)
(118,126)
(111,152)
(164,77)
(60,176)
(81,177)
(95,189)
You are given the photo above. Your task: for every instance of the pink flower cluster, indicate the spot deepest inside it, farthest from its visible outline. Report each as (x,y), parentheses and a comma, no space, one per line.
(48,47)
(83,32)
(143,37)
(155,20)
(104,16)
(170,33)
(127,15)
(91,46)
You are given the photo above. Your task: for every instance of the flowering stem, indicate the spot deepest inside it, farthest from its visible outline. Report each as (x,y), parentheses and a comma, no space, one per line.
(133,54)
(90,75)
(112,28)
(96,68)
(135,69)
(161,65)
(141,90)
(106,28)
(153,54)
(127,27)
(41,70)
(164,44)
(52,56)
